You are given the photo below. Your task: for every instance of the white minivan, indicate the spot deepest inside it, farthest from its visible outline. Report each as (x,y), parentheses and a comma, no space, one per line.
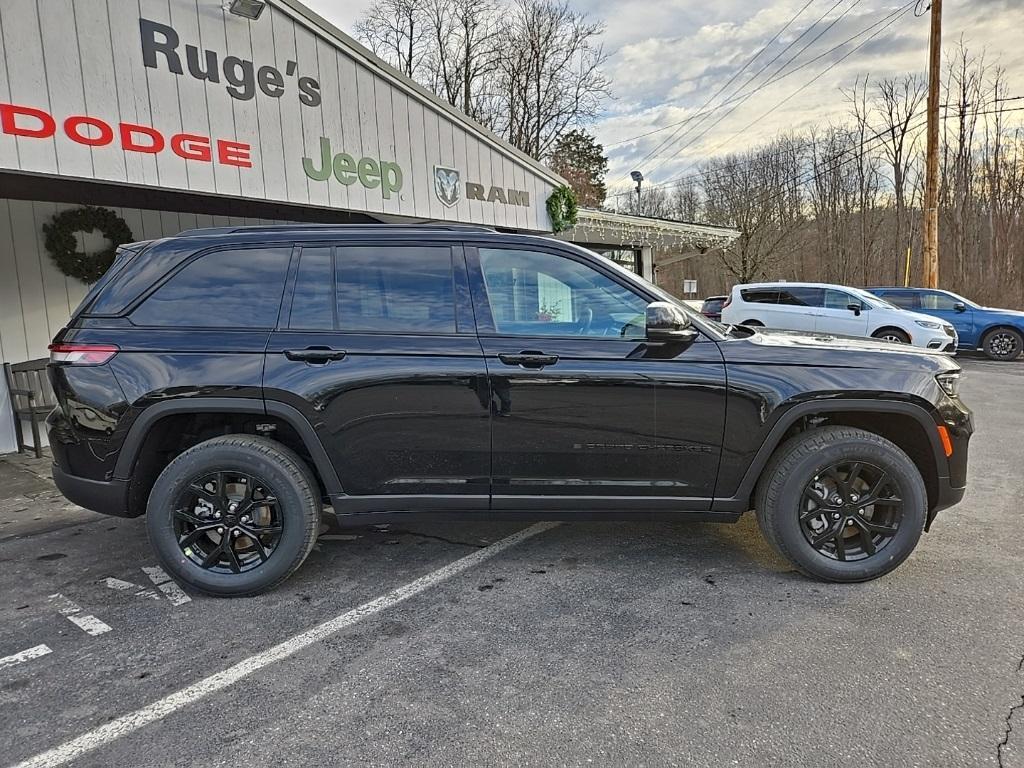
(834,309)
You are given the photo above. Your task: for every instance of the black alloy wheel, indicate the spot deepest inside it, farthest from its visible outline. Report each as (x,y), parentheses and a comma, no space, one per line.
(234,515)
(1003,344)
(841,503)
(851,510)
(228,522)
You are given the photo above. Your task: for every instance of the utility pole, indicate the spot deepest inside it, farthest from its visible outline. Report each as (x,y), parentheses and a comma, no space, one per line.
(930,232)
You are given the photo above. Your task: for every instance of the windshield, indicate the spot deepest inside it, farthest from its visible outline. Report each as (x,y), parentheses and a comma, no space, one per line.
(695,317)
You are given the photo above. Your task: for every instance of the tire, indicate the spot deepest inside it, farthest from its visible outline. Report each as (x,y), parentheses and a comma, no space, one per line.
(753,323)
(803,460)
(894,335)
(1003,344)
(289,513)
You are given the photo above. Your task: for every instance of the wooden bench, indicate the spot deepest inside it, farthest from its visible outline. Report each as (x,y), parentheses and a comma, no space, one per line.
(32,399)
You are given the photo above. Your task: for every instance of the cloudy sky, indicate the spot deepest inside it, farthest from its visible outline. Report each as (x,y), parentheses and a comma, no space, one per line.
(668,57)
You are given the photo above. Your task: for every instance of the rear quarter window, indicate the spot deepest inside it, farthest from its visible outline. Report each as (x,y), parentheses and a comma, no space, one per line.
(760,295)
(237,288)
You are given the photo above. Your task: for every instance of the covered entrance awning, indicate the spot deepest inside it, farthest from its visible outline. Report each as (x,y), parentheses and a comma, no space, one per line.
(644,243)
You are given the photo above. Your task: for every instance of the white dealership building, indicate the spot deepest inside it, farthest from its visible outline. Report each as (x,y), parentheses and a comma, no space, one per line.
(179,114)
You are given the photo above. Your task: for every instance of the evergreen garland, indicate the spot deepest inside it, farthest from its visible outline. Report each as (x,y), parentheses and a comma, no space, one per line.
(562,208)
(63,245)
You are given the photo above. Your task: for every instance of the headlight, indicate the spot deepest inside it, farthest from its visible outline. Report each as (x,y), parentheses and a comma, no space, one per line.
(950,383)
(928,324)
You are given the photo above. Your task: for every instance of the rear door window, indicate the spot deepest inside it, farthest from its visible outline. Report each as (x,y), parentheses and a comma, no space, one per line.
(239,288)
(801,297)
(760,295)
(313,297)
(400,288)
(904,299)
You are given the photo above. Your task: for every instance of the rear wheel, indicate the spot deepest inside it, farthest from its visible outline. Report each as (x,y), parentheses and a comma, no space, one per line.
(1003,344)
(842,504)
(893,335)
(753,323)
(234,515)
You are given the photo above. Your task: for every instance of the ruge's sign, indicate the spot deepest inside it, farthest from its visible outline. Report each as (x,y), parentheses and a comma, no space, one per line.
(187,96)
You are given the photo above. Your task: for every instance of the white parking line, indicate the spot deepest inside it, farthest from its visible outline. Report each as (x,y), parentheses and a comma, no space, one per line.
(123,586)
(163,582)
(73,613)
(28,654)
(158,710)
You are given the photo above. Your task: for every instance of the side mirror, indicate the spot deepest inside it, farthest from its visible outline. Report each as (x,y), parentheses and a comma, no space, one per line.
(960,307)
(667,322)
(855,307)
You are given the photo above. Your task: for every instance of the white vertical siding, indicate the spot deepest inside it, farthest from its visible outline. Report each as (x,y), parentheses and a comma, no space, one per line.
(36,299)
(85,58)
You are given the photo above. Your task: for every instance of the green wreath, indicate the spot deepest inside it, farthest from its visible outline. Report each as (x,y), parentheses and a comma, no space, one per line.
(562,208)
(63,245)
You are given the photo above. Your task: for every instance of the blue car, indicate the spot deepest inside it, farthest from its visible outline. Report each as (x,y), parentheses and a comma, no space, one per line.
(999,333)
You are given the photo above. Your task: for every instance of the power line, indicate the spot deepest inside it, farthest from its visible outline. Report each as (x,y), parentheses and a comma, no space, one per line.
(891,19)
(816,174)
(864,142)
(739,98)
(735,75)
(737,95)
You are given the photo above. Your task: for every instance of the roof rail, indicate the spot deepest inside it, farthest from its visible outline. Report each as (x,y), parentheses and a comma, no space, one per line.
(341,227)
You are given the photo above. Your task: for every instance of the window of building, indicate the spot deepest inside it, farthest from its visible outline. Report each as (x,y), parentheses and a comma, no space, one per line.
(223,289)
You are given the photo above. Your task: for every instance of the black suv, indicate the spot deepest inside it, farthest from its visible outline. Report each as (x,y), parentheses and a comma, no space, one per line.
(230,382)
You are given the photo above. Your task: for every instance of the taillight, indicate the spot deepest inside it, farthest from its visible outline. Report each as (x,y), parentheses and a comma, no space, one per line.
(82,354)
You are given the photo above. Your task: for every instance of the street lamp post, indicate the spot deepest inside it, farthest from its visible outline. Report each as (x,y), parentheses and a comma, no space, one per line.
(639,179)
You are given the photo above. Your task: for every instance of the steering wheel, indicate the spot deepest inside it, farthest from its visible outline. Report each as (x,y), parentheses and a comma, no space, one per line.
(586,320)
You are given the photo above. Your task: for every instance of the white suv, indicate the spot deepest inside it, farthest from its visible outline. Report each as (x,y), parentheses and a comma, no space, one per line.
(835,309)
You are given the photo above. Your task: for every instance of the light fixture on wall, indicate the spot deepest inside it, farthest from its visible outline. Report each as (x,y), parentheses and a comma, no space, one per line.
(247,9)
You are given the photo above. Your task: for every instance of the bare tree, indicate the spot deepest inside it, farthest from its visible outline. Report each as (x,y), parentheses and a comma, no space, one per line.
(758,193)
(395,30)
(549,74)
(463,51)
(899,101)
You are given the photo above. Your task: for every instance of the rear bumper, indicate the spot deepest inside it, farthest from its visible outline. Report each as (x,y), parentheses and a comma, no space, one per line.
(109,497)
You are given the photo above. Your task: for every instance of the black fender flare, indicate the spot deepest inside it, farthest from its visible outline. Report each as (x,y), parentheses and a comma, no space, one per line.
(133,441)
(796,412)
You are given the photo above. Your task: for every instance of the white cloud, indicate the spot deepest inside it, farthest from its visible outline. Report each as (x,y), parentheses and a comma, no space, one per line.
(670,56)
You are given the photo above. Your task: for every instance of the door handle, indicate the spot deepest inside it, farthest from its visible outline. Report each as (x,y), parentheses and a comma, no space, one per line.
(316,355)
(528,359)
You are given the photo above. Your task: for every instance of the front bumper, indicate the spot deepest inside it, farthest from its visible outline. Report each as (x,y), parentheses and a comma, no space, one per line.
(109,497)
(944,339)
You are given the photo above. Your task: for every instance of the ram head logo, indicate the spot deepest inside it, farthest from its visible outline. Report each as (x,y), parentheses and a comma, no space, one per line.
(446,185)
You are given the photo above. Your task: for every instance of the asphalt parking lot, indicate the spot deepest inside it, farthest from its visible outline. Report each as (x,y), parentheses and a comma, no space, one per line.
(683,644)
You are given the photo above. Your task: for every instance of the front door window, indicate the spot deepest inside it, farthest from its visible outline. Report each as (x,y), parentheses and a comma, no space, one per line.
(540,294)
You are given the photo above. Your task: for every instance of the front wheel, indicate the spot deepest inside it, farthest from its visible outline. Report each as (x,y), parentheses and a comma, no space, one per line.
(1003,344)
(234,515)
(842,504)
(892,335)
